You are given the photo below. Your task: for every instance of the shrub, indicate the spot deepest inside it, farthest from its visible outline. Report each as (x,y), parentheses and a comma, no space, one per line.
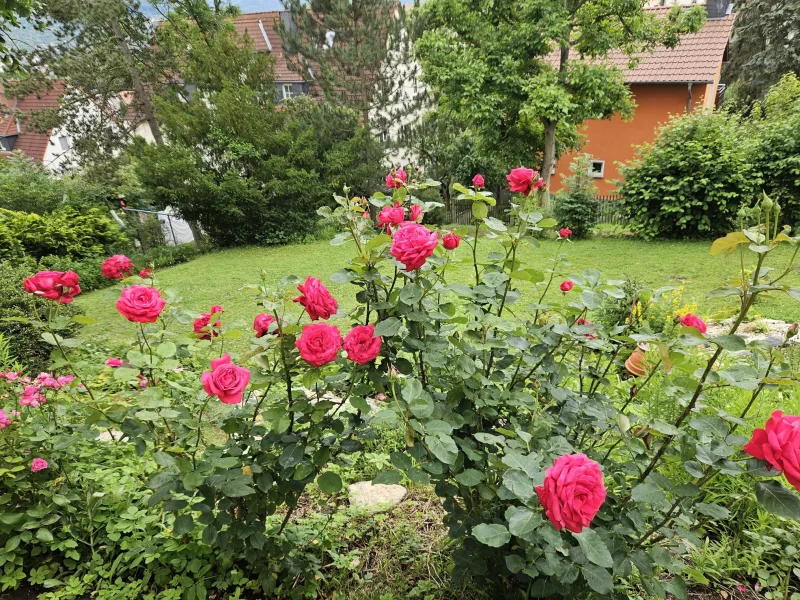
(65,232)
(576,205)
(554,478)
(692,179)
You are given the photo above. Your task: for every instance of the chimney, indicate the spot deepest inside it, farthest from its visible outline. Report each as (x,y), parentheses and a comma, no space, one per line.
(717,9)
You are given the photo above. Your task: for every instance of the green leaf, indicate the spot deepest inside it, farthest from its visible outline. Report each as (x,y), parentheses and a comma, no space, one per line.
(410,294)
(84,320)
(732,343)
(125,373)
(523,522)
(469,477)
(166,349)
(237,488)
(677,587)
(44,535)
(727,244)
(329,483)
(713,510)
(291,456)
(387,478)
(183,525)
(794,293)
(480,210)
(778,500)
(594,548)
(491,535)
(388,327)
(647,492)
(598,579)
(713,425)
(547,223)
(442,447)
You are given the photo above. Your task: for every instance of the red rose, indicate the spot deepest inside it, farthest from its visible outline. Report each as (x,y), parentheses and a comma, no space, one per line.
(413,244)
(225,380)
(521,180)
(779,444)
(566,286)
(391,216)
(396,179)
(538,184)
(317,299)
(54,285)
(146,273)
(261,324)
(140,304)
(690,320)
(565,233)
(114,362)
(200,325)
(478,181)
(450,241)
(416,213)
(573,492)
(361,344)
(319,343)
(118,266)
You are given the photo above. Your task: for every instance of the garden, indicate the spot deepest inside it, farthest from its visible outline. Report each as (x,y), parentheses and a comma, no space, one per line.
(556,430)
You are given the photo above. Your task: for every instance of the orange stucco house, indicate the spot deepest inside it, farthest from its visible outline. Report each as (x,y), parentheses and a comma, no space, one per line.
(664,82)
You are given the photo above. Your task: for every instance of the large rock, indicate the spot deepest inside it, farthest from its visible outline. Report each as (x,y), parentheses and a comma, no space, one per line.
(376,495)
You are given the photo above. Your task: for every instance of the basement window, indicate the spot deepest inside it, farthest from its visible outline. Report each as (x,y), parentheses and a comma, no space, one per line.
(596,168)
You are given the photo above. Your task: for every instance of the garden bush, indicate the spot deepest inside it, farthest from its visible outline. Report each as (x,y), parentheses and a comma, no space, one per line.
(692,179)
(554,478)
(65,232)
(575,206)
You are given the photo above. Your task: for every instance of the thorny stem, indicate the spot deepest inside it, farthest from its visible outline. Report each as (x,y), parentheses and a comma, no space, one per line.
(549,281)
(199,430)
(475,253)
(287,373)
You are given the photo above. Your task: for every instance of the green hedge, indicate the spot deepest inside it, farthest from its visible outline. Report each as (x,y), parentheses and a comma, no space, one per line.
(65,232)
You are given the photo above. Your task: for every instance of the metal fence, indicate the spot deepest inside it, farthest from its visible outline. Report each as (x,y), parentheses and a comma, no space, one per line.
(609,209)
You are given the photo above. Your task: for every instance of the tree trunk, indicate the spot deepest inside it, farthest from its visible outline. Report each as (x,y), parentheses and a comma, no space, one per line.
(549,160)
(143,97)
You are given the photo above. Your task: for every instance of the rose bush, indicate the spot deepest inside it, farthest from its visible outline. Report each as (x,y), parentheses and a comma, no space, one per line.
(510,399)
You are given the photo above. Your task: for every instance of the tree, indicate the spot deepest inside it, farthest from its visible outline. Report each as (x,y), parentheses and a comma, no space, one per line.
(11,11)
(355,54)
(246,172)
(764,46)
(106,59)
(527,72)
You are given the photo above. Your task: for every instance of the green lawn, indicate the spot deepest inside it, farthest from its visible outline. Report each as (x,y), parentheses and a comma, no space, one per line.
(216,278)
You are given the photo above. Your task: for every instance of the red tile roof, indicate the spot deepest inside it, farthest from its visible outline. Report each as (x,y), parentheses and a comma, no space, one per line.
(697,58)
(32,143)
(261,26)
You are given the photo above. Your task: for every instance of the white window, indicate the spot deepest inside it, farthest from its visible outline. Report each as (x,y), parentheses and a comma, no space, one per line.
(401,94)
(63,141)
(288,90)
(596,168)
(384,136)
(329,37)
(416,85)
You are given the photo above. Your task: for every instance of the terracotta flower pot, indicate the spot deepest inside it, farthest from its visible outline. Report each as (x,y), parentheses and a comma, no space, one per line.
(635,363)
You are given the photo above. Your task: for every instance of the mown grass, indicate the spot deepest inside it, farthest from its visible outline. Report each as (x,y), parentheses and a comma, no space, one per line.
(217,278)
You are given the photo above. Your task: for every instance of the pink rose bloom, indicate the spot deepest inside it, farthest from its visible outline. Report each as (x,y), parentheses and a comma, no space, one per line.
(225,380)
(200,325)
(146,273)
(566,286)
(261,324)
(114,362)
(396,178)
(31,396)
(140,304)
(65,380)
(319,343)
(38,464)
(54,285)
(4,420)
(416,213)
(361,344)
(572,492)
(391,216)
(565,232)
(317,300)
(413,244)
(690,320)
(450,241)
(538,184)
(779,444)
(520,180)
(478,182)
(118,266)
(12,376)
